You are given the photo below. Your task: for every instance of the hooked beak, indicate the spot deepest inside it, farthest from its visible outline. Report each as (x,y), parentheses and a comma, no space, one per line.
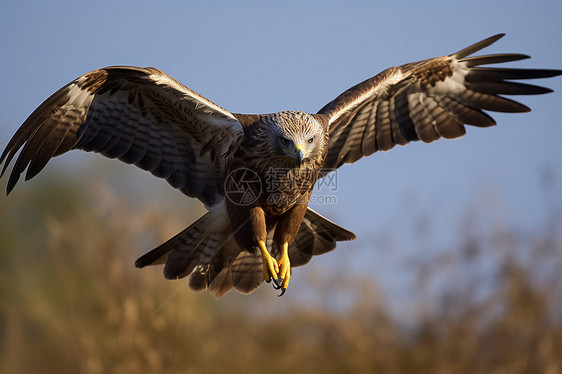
(299,154)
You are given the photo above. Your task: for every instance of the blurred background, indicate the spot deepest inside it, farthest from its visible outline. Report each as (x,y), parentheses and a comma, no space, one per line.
(456,268)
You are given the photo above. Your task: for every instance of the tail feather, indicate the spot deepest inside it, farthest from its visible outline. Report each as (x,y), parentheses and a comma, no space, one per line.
(217,277)
(247,272)
(219,282)
(159,255)
(218,264)
(183,259)
(317,235)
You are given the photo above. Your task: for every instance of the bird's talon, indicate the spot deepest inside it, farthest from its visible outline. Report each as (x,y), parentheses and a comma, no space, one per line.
(277,284)
(282,292)
(270,266)
(284,269)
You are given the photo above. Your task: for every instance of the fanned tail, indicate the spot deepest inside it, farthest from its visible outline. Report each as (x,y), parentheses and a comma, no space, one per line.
(215,262)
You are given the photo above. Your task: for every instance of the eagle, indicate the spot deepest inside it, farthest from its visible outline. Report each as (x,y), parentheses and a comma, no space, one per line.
(255,172)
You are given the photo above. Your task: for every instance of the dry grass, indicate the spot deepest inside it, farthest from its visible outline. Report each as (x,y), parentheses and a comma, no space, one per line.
(72,302)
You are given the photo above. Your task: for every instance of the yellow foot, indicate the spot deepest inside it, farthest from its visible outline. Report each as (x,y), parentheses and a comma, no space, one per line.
(284,269)
(270,267)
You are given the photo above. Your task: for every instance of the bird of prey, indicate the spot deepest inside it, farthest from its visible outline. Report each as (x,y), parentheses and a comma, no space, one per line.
(255,172)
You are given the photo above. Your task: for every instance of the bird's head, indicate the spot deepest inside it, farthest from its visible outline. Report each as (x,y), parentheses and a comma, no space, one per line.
(297,136)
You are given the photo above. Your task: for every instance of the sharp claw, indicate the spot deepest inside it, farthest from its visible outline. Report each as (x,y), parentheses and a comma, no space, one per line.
(282,292)
(277,283)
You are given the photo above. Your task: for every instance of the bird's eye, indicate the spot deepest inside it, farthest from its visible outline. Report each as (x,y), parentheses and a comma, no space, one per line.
(310,140)
(285,141)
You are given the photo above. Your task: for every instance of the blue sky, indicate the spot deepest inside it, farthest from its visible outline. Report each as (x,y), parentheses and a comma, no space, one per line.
(266,56)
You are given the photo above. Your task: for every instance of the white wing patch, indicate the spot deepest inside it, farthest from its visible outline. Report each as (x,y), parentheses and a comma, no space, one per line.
(383,87)
(163,79)
(79,97)
(455,84)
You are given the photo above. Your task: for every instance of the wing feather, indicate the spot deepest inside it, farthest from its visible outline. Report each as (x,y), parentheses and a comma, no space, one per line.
(423,123)
(138,115)
(368,140)
(403,129)
(382,123)
(425,100)
(494,59)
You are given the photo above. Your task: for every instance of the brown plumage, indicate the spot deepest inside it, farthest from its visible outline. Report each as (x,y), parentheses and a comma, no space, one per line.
(256,173)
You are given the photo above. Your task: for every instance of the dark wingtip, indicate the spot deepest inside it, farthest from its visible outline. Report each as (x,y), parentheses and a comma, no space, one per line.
(478,46)
(142,261)
(139,264)
(145,260)
(553,72)
(14,177)
(494,38)
(496,58)
(522,109)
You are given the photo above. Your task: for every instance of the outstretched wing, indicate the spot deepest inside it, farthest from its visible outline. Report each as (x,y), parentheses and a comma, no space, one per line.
(141,116)
(425,101)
